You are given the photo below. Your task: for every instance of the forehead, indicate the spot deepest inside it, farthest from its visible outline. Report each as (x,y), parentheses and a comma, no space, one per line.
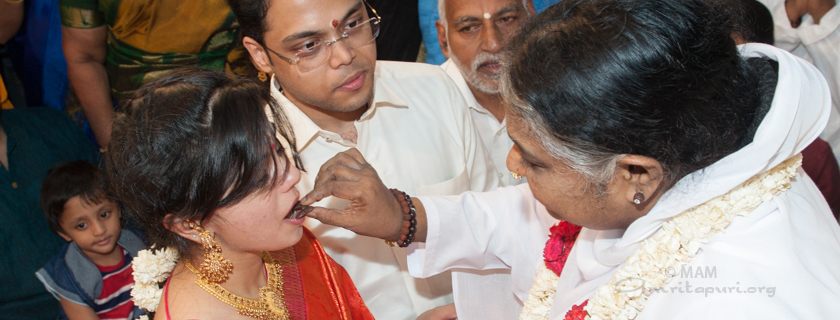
(76,209)
(288,17)
(477,8)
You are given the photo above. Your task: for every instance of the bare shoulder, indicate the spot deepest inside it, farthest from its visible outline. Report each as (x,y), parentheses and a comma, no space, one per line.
(186,300)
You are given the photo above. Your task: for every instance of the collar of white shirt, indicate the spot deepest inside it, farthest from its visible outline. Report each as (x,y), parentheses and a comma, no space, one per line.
(306,130)
(453,72)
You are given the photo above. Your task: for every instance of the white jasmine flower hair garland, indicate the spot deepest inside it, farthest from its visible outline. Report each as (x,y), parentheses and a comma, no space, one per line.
(151,268)
(672,246)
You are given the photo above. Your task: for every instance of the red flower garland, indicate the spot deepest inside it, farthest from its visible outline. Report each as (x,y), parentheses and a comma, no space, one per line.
(577,312)
(559,245)
(556,252)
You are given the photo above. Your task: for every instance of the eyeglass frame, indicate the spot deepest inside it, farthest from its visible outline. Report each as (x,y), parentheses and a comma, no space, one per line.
(329,43)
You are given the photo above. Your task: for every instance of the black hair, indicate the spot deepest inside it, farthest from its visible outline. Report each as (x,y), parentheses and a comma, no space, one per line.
(756,21)
(67,180)
(251,15)
(596,79)
(191,142)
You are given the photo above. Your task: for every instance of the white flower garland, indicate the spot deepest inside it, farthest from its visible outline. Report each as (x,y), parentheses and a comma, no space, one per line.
(672,246)
(541,295)
(151,268)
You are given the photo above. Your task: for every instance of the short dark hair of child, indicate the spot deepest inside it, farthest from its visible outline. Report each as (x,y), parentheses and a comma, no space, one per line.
(65,181)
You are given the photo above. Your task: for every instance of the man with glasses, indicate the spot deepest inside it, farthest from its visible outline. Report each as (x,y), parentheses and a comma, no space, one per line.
(472,35)
(407,119)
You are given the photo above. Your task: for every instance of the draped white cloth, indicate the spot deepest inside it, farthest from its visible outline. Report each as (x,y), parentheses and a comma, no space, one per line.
(781,262)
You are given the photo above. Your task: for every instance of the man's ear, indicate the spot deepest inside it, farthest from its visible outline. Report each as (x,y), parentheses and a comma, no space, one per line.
(181,227)
(636,174)
(259,56)
(441,31)
(529,7)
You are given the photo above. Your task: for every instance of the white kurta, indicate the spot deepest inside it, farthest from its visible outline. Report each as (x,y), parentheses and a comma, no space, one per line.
(418,135)
(780,262)
(475,293)
(493,133)
(820,45)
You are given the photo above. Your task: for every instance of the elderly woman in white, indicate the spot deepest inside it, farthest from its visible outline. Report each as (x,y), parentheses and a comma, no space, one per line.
(675,151)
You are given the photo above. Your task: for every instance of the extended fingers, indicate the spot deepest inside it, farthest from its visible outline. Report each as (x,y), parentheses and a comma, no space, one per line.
(343,189)
(327,170)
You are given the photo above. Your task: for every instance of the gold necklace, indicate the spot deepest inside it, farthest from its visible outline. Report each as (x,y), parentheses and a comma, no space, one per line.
(270,306)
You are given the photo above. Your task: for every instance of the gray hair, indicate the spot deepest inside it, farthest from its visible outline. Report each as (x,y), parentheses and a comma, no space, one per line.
(595,165)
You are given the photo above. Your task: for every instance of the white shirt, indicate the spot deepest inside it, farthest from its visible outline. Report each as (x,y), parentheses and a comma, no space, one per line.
(493,133)
(820,45)
(475,293)
(790,243)
(418,135)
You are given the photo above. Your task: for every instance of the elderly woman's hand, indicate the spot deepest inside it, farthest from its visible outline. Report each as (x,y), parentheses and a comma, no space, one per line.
(373,211)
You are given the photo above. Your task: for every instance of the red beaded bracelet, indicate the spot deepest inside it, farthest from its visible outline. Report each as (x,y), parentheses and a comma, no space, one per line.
(409,226)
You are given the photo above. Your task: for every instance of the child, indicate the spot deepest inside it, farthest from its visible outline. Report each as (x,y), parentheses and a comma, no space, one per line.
(91,276)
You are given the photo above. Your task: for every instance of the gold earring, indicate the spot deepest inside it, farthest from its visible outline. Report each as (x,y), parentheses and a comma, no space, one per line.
(516,176)
(262,76)
(215,268)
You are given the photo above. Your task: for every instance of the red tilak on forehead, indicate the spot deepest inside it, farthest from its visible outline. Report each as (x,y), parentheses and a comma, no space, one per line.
(335,23)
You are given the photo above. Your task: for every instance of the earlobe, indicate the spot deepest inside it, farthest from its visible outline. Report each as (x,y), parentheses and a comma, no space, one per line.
(259,56)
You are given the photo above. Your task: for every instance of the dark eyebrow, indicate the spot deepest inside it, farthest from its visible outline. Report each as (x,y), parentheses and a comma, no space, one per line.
(465,19)
(352,11)
(300,35)
(76,221)
(306,34)
(510,8)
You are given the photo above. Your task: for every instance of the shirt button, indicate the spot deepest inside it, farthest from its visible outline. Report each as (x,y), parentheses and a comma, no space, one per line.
(14,185)
(501,176)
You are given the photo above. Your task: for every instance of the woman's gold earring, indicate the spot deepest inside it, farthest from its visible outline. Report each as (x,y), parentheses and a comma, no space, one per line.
(515,176)
(215,268)
(262,76)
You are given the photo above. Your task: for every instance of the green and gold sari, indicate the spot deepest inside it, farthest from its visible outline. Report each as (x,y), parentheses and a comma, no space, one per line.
(147,38)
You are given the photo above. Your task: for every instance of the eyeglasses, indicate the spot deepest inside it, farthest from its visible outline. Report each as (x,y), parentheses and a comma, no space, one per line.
(315,52)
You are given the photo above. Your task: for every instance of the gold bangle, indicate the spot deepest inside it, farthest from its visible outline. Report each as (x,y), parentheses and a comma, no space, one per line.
(13,1)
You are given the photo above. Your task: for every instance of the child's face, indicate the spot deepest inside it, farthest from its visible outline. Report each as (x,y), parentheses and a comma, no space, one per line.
(95,228)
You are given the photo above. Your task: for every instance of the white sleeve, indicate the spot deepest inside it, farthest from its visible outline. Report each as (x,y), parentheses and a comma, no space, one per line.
(480,231)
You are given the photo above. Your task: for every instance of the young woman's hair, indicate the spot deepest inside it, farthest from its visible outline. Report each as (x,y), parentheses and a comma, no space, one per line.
(191,142)
(594,80)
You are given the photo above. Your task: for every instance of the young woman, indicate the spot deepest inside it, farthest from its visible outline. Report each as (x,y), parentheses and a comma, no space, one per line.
(197,162)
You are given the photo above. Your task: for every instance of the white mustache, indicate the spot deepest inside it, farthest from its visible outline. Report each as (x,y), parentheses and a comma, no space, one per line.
(483,58)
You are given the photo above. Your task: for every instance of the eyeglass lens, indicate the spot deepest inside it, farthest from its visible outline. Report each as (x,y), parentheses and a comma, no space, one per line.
(354,34)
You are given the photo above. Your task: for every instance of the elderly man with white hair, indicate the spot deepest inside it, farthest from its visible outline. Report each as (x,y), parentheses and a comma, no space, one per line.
(472,35)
